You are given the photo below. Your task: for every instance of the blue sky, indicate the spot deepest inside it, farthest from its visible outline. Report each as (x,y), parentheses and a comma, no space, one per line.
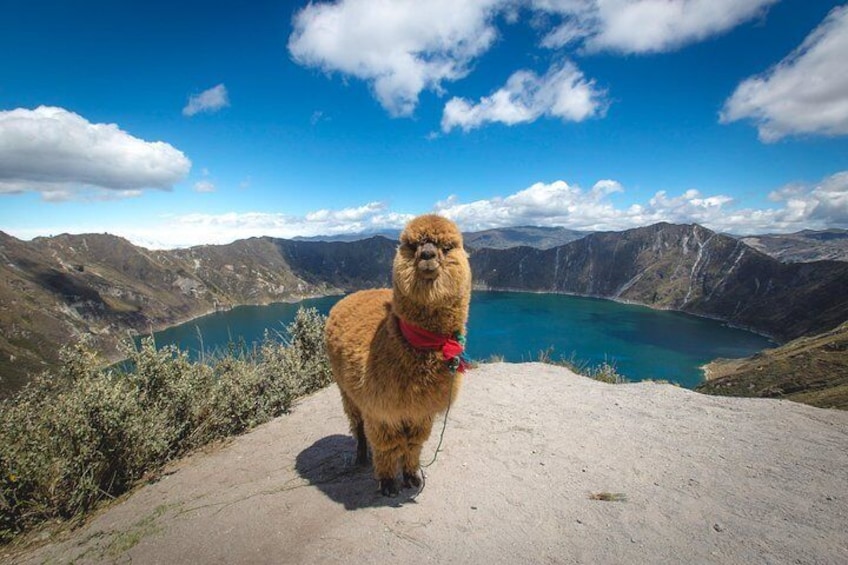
(183,123)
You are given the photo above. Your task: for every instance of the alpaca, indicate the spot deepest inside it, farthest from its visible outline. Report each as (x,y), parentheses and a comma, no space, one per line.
(396,353)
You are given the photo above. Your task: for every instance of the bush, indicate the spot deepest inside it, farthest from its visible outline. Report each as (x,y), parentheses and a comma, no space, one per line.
(605,371)
(83,433)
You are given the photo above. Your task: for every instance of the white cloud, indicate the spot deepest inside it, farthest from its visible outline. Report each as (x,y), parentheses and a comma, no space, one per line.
(400,47)
(806,93)
(817,206)
(197,229)
(824,204)
(643,26)
(204,186)
(59,154)
(209,101)
(795,207)
(542,204)
(56,195)
(403,47)
(563,92)
(820,206)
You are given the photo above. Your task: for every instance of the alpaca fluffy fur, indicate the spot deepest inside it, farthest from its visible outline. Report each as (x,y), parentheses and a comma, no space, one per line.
(390,391)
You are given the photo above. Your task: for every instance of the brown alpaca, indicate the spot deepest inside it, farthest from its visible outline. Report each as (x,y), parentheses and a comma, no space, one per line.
(392,390)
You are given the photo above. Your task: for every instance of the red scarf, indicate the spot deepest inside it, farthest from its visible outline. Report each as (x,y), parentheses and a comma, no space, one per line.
(452,347)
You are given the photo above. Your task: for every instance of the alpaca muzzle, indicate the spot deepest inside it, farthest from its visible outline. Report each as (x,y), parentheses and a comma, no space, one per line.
(428,259)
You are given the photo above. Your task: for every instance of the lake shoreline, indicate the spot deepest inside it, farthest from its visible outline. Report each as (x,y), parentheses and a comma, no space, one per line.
(640,342)
(160,327)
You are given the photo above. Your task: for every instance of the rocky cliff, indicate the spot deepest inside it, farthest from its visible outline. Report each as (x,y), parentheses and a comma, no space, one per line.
(803,246)
(681,267)
(55,290)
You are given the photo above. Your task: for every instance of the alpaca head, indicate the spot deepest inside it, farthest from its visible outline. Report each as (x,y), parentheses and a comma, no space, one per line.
(431,266)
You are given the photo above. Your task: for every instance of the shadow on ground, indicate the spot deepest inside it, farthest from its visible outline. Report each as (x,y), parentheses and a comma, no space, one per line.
(329,465)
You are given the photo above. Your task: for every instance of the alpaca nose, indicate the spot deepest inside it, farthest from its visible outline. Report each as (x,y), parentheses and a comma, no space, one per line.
(427,252)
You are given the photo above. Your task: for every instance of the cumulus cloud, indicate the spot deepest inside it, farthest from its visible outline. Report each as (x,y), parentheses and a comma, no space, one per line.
(805,93)
(196,229)
(794,207)
(822,205)
(204,186)
(209,101)
(400,48)
(563,92)
(818,206)
(542,204)
(643,26)
(59,153)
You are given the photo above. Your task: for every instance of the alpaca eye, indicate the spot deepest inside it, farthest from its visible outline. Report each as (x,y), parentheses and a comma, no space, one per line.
(447,248)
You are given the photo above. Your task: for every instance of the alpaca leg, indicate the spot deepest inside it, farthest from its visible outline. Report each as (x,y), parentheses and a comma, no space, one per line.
(357,428)
(361,445)
(416,435)
(387,447)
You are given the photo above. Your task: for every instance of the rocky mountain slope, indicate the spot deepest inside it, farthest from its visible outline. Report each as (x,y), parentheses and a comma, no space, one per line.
(497,238)
(54,290)
(521,236)
(681,267)
(803,246)
(812,370)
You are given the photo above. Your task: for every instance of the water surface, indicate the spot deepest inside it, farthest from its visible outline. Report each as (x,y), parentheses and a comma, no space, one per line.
(640,342)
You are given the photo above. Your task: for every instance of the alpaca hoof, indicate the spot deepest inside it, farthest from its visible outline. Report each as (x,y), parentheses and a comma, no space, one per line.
(389,487)
(411,480)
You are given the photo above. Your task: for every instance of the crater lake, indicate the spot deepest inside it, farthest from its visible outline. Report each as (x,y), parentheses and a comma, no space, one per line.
(641,343)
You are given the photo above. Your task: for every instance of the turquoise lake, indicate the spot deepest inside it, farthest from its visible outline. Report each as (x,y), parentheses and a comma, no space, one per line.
(640,342)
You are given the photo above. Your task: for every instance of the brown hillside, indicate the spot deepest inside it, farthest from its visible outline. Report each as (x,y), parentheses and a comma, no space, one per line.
(812,370)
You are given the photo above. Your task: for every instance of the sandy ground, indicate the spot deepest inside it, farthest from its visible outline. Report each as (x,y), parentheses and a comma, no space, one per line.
(693,478)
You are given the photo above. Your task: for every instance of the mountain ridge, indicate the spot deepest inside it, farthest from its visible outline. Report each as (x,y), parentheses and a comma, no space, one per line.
(542,237)
(686,268)
(55,290)
(803,246)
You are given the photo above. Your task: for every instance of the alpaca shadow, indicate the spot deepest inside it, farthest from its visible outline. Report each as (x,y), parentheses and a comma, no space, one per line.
(329,465)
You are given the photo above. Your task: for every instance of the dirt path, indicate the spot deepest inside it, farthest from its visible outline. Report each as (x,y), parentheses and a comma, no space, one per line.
(693,478)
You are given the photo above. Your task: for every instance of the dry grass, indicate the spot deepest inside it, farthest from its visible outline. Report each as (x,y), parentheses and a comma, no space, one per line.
(608,496)
(81,434)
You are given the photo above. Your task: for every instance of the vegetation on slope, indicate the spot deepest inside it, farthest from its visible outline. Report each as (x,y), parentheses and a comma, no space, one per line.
(803,246)
(55,290)
(80,434)
(812,370)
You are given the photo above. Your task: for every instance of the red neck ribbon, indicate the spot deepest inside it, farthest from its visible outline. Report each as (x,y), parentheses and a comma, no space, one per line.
(452,347)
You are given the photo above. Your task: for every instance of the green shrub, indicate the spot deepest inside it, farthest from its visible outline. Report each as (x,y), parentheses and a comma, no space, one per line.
(74,437)
(605,371)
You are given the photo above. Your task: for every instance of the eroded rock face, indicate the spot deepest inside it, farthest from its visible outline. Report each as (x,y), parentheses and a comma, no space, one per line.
(54,290)
(681,267)
(803,246)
